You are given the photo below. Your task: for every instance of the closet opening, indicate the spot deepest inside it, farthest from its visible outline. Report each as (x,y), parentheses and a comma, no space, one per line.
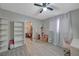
(28,30)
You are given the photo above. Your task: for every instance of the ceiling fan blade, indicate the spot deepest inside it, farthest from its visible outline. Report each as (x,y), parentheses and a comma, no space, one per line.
(49,8)
(41,11)
(48,3)
(37,5)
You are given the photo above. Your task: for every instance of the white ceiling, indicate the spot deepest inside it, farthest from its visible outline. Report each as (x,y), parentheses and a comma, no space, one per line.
(29,9)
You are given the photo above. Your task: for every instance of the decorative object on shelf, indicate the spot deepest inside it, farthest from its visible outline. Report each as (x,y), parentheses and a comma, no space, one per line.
(11,44)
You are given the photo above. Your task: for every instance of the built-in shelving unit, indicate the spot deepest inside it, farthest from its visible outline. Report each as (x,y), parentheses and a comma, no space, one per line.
(4,35)
(17,33)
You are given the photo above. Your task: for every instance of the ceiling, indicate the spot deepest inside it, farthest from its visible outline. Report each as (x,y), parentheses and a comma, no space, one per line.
(29,9)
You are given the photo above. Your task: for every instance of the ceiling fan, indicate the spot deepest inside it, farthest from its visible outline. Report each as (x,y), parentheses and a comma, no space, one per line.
(44,6)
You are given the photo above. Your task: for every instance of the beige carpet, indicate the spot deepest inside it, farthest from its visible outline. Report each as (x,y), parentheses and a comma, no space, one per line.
(19,51)
(35,48)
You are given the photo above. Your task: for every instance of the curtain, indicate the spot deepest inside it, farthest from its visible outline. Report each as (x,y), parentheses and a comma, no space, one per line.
(65,32)
(60,29)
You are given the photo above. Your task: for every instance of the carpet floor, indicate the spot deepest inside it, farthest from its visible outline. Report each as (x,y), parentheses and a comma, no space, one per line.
(35,48)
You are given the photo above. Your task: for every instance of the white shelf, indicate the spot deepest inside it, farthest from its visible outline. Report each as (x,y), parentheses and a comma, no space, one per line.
(18,44)
(16,37)
(3,33)
(18,29)
(3,27)
(16,40)
(18,32)
(18,24)
(3,49)
(3,23)
(3,38)
(3,44)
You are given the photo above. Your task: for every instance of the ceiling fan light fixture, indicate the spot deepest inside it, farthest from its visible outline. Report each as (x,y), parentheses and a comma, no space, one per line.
(44,8)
